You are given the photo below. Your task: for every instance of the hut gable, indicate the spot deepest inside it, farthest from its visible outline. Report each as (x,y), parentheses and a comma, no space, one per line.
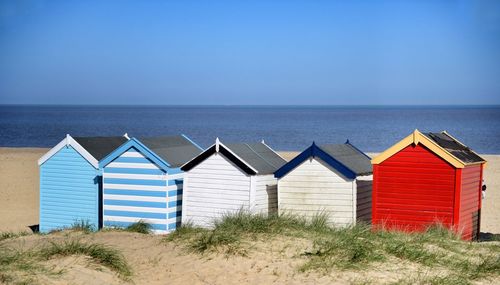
(344,158)
(255,158)
(442,144)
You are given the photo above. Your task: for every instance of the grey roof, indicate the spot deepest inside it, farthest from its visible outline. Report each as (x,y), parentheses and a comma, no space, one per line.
(175,150)
(350,156)
(99,147)
(453,146)
(258,155)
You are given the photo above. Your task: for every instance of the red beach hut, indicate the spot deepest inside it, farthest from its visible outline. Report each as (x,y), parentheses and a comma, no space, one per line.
(428,178)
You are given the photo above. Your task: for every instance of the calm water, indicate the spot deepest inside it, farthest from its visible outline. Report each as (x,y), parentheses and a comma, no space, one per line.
(284,128)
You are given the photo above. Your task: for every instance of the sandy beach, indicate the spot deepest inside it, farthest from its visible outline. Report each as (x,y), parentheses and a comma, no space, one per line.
(154,261)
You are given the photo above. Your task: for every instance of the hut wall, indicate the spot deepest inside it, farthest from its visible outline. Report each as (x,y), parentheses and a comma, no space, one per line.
(470,198)
(69,191)
(214,187)
(135,188)
(266,195)
(412,189)
(312,187)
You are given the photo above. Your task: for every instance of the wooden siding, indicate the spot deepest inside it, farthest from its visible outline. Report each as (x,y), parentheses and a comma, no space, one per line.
(135,188)
(212,188)
(470,201)
(314,187)
(412,189)
(69,191)
(266,196)
(364,201)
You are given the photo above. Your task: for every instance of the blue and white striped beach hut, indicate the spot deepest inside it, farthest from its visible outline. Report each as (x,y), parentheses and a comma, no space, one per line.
(70,181)
(142,180)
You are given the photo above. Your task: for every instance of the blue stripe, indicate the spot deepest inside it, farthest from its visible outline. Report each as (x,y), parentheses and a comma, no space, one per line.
(173,226)
(174,214)
(135,181)
(135,203)
(132,149)
(134,171)
(126,224)
(173,193)
(135,214)
(132,160)
(135,193)
(174,203)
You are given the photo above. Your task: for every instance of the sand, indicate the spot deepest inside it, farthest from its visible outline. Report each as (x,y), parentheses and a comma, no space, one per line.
(156,262)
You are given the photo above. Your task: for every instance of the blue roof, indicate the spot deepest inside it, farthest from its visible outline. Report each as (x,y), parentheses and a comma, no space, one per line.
(345,158)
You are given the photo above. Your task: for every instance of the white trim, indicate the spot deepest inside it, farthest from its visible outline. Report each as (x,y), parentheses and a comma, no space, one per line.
(184,198)
(135,176)
(134,198)
(262,142)
(365,177)
(161,232)
(133,220)
(132,165)
(252,193)
(132,154)
(137,187)
(69,141)
(136,209)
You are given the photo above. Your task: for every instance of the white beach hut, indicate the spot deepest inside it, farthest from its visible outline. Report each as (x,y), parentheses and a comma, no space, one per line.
(331,179)
(227,178)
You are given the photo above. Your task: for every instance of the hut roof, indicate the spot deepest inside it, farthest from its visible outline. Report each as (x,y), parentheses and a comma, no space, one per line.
(455,147)
(175,150)
(253,158)
(99,147)
(345,158)
(442,144)
(350,156)
(92,149)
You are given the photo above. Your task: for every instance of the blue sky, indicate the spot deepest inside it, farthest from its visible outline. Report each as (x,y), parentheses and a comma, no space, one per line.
(250,52)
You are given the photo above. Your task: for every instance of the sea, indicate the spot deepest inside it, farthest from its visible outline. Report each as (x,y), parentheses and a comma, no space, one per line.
(285,128)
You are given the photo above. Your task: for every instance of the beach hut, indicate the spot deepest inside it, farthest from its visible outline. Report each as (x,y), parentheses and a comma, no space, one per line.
(70,181)
(333,179)
(428,178)
(227,178)
(142,181)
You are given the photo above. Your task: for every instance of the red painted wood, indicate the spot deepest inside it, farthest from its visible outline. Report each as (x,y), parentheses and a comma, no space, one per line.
(412,189)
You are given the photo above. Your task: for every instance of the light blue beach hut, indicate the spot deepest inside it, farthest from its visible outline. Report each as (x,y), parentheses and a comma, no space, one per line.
(142,181)
(70,181)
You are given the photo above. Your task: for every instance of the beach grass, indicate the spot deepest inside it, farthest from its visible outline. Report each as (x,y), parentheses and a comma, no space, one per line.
(22,266)
(102,254)
(140,227)
(350,248)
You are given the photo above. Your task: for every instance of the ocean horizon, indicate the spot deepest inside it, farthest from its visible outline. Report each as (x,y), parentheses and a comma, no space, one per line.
(372,128)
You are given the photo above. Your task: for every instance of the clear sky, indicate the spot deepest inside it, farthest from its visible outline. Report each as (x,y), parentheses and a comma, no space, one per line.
(250,52)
